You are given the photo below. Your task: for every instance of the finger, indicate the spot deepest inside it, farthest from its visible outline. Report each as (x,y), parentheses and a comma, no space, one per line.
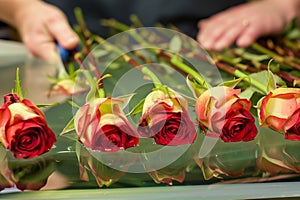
(206,29)
(212,31)
(250,35)
(60,29)
(229,37)
(39,43)
(42,50)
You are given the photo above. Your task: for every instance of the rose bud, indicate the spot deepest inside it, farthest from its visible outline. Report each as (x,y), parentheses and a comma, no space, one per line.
(280,110)
(24,130)
(101,125)
(221,113)
(67,87)
(165,118)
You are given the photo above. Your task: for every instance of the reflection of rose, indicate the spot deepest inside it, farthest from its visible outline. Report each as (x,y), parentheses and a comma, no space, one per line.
(5,173)
(221,113)
(92,161)
(276,155)
(168,174)
(175,171)
(31,174)
(229,160)
(102,126)
(4,179)
(280,110)
(24,130)
(166,119)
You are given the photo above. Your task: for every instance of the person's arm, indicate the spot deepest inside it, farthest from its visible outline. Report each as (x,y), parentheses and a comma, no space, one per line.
(245,23)
(39,25)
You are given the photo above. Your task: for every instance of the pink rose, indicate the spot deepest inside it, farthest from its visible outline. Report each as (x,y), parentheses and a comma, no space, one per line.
(280,110)
(221,113)
(24,130)
(101,125)
(166,119)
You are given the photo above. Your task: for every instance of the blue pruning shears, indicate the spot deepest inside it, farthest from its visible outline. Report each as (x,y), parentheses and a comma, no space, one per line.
(66,54)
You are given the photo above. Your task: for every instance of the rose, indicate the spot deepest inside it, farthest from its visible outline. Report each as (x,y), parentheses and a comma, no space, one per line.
(24,130)
(280,110)
(101,125)
(166,119)
(67,87)
(221,113)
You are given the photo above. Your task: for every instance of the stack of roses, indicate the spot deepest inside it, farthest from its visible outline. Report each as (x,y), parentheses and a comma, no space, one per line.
(221,113)
(101,125)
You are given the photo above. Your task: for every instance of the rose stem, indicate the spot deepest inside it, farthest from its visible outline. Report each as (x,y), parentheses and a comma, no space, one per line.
(157,83)
(136,21)
(294,49)
(86,41)
(173,59)
(18,88)
(144,70)
(286,49)
(290,79)
(235,72)
(93,88)
(284,61)
(220,57)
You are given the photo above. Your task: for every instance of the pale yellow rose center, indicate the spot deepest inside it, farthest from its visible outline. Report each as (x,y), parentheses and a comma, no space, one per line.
(282,108)
(21,111)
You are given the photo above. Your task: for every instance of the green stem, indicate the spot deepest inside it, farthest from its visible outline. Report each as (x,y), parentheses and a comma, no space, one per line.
(115,24)
(237,73)
(95,91)
(153,77)
(173,60)
(136,21)
(286,62)
(264,50)
(200,80)
(18,88)
(157,83)
(101,93)
(253,82)
(232,61)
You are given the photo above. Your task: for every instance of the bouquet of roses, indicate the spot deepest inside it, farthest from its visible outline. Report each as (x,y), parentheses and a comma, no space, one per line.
(152,101)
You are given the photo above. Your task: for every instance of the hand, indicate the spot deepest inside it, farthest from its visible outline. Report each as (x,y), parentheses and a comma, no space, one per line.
(40,25)
(245,23)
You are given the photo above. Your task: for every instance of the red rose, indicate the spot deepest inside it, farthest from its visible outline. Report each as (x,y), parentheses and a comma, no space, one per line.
(24,130)
(102,126)
(280,110)
(221,113)
(166,119)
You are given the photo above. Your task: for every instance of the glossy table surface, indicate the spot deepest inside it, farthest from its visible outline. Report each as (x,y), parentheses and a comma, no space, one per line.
(33,76)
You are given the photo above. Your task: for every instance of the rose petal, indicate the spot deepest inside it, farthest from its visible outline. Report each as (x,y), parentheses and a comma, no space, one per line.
(274,122)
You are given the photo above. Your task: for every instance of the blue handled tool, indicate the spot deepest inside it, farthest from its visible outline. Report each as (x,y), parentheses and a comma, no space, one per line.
(66,54)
